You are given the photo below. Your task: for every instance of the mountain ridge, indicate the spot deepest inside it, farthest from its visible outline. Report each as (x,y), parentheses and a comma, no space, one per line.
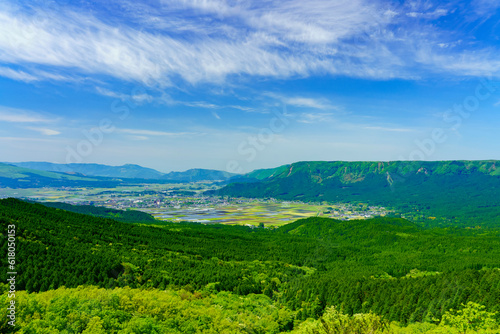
(127,171)
(20,177)
(454,188)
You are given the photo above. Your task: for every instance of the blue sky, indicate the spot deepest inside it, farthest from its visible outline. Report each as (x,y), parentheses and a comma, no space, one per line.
(239,85)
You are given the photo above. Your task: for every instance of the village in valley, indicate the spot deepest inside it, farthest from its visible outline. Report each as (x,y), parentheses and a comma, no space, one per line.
(188,202)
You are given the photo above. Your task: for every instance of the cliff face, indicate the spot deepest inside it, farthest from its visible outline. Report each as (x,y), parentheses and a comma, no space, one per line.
(466,189)
(356,171)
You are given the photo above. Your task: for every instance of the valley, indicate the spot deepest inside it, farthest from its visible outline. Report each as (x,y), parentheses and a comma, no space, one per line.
(249,167)
(316,247)
(188,202)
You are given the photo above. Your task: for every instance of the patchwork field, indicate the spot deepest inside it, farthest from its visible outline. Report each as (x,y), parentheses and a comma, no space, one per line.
(186,202)
(257,212)
(253,213)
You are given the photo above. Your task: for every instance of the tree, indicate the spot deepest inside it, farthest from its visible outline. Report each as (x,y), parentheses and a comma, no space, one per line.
(94,327)
(471,317)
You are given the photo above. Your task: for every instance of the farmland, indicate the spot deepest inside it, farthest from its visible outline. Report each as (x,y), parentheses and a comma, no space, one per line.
(187,202)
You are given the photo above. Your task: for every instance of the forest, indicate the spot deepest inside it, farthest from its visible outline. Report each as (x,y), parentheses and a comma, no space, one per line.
(97,211)
(79,273)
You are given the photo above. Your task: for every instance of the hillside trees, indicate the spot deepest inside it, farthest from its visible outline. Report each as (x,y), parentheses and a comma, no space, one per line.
(390,267)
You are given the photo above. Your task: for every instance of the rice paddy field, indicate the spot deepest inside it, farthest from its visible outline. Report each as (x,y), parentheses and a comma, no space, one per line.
(167,203)
(253,213)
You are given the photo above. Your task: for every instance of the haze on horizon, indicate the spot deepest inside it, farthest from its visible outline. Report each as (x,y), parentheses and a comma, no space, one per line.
(236,86)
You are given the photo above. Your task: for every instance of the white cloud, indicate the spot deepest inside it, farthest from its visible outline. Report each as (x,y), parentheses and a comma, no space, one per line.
(313,21)
(17,75)
(139,97)
(27,139)
(311,118)
(304,102)
(200,105)
(473,63)
(109,93)
(211,40)
(388,129)
(195,104)
(44,131)
(435,14)
(35,75)
(142,98)
(138,137)
(143,132)
(485,8)
(309,102)
(14,115)
(71,40)
(242,108)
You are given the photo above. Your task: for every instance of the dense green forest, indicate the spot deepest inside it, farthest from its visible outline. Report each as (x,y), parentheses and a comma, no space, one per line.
(454,192)
(121,215)
(85,274)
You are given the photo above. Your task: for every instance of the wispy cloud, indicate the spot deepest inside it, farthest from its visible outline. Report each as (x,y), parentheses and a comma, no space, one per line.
(201,105)
(311,118)
(14,115)
(247,109)
(138,137)
(388,129)
(166,99)
(304,102)
(218,40)
(34,75)
(17,75)
(44,131)
(309,103)
(137,97)
(27,139)
(436,13)
(485,8)
(143,132)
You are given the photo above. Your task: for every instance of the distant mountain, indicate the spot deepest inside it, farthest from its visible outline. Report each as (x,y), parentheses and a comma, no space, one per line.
(193,175)
(465,191)
(20,177)
(126,171)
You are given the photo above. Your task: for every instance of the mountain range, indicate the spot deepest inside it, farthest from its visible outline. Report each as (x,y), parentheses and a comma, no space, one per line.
(434,192)
(20,177)
(43,172)
(125,171)
(457,191)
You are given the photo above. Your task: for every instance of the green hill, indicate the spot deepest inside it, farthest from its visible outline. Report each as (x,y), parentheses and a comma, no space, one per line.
(166,278)
(376,230)
(121,215)
(462,192)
